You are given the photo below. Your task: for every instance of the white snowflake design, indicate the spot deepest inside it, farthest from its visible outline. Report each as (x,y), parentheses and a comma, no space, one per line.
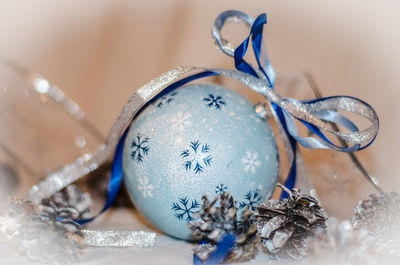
(197,157)
(145,187)
(181,121)
(250,162)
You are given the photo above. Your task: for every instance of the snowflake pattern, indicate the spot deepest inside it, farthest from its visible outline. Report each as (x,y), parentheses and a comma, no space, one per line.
(214,101)
(250,162)
(196,158)
(180,121)
(219,189)
(182,209)
(140,148)
(166,99)
(254,185)
(252,198)
(145,187)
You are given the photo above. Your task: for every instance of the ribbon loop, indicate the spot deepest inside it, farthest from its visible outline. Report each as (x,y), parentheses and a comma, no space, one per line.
(232,16)
(313,113)
(265,70)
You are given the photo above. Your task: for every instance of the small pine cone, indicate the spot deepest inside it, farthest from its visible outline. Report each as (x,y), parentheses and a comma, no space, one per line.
(45,234)
(60,211)
(285,226)
(73,197)
(219,221)
(59,217)
(341,244)
(377,213)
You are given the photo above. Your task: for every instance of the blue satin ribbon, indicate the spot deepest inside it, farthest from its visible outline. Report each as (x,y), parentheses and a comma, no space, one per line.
(115,179)
(255,34)
(265,68)
(222,250)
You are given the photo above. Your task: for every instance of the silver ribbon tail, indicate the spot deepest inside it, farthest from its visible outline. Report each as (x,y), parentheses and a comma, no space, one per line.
(97,238)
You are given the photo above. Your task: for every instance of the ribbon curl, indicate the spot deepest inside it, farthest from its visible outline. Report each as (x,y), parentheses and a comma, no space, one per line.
(312,113)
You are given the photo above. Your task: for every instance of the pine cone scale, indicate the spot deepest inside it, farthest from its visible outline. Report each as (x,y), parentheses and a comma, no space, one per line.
(219,221)
(286,225)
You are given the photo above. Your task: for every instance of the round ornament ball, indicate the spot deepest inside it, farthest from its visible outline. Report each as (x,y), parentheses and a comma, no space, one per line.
(194,141)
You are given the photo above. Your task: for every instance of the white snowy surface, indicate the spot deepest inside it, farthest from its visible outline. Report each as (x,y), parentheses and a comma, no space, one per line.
(167,250)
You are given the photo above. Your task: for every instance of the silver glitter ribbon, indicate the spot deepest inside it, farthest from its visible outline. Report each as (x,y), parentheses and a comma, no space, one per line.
(96,238)
(89,162)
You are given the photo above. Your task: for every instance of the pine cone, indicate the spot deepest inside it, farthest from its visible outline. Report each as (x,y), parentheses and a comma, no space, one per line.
(285,226)
(342,245)
(218,221)
(30,231)
(73,197)
(378,213)
(59,217)
(380,216)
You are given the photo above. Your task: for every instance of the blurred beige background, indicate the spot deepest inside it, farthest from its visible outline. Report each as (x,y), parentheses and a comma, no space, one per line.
(100,51)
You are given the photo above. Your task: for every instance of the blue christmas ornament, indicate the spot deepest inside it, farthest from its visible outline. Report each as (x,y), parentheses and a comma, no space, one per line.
(196,140)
